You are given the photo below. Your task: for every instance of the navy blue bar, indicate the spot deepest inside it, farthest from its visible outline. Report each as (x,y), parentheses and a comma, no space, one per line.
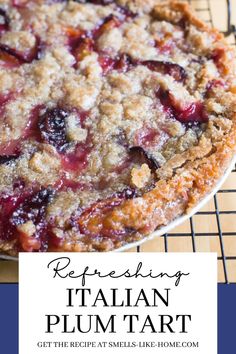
(9,319)
(226,319)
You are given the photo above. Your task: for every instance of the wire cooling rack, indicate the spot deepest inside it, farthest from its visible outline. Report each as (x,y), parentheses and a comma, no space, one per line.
(214,227)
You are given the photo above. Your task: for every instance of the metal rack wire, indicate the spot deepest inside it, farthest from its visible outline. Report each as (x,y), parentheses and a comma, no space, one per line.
(205,11)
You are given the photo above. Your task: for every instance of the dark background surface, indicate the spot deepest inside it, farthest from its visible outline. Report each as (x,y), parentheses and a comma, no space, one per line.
(9,319)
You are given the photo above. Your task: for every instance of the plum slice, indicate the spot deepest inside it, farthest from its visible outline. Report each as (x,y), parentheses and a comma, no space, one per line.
(21,207)
(124,63)
(77,160)
(10,148)
(192,113)
(52,127)
(82,43)
(80,40)
(149,137)
(126,12)
(121,63)
(217,55)
(107,24)
(8,61)
(174,70)
(146,140)
(15,57)
(33,209)
(5,21)
(9,203)
(189,114)
(6,159)
(82,47)
(89,221)
(140,155)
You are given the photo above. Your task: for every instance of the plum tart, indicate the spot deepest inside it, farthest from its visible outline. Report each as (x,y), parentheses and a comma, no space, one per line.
(117,117)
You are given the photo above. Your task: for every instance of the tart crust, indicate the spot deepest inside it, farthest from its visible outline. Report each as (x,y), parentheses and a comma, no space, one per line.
(83,220)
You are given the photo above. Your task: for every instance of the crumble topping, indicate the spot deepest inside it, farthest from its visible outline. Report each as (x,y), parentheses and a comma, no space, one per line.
(140,175)
(116,118)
